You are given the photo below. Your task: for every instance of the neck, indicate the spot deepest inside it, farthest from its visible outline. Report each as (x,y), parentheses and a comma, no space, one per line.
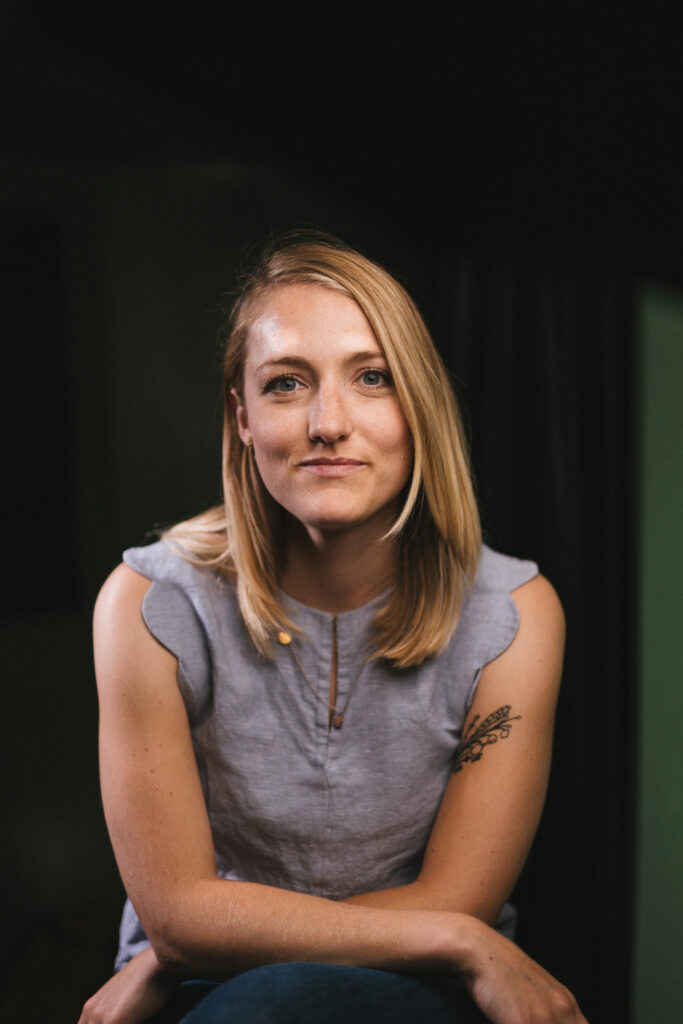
(338,570)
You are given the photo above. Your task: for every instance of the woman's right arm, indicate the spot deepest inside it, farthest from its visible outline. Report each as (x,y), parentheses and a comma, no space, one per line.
(200,923)
(160,831)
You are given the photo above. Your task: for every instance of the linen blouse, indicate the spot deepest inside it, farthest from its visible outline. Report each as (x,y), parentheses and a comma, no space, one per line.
(291,802)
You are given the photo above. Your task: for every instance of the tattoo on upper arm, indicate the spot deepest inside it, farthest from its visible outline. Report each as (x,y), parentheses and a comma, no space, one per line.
(479,736)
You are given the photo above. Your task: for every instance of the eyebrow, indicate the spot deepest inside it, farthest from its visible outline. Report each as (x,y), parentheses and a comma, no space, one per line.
(355,357)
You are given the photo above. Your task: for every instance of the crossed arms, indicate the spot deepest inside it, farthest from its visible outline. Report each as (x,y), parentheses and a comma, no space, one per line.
(210,927)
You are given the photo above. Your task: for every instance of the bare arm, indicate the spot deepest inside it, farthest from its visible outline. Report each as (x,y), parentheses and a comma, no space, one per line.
(492,806)
(159,828)
(200,923)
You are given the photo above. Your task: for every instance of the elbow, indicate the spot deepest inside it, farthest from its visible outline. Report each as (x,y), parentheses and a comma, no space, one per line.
(170,955)
(183,940)
(180,950)
(174,941)
(170,948)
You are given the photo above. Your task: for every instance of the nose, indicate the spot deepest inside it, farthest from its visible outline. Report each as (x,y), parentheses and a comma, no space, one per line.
(328,419)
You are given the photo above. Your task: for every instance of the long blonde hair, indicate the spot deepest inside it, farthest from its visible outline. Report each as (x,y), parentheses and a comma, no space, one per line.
(437,531)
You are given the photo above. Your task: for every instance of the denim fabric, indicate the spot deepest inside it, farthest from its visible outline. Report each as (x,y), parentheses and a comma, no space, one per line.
(306,993)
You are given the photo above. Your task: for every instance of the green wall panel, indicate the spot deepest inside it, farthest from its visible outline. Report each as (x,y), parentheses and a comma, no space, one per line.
(658,981)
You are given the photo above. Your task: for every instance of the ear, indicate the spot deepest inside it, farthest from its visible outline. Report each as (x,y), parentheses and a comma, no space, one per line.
(239,411)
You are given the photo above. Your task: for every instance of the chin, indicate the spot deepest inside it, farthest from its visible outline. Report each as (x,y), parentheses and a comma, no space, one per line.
(332,523)
(336,520)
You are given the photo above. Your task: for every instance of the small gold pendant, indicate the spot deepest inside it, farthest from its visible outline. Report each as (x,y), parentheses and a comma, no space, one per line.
(284,639)
(338,720)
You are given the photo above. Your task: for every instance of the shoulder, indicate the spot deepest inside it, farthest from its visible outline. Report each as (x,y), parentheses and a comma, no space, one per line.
(511,616)
(163,562)
(133,577)
(502,573)
(539,607)
(130,664)
(516,585)
(156,587)
(489,620)
(157,605)
(140,599)
(166,586)
(531,665)
(121,596)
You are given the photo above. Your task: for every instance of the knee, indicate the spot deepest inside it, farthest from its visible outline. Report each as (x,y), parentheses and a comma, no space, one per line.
(288,993)
(305,993)
(294,993)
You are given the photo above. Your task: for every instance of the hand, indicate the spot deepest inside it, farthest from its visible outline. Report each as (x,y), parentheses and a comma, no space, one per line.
(140,989)
(510,987)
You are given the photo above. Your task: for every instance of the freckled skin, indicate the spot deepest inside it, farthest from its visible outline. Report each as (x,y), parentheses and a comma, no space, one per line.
(334,400)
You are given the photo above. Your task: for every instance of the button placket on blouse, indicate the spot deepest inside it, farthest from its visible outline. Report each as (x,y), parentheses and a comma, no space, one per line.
(327,638)
(314,652)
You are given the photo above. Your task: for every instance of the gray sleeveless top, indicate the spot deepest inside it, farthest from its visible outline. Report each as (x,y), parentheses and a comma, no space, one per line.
(293,803)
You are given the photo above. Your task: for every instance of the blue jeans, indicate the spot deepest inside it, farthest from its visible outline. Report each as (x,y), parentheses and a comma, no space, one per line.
(306,993)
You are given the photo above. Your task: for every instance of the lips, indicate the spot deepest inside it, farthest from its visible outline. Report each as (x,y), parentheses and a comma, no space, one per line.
(333,467)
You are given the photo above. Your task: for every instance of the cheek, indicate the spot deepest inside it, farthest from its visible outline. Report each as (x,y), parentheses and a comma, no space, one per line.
(273,435)
(275,447)
(400,441)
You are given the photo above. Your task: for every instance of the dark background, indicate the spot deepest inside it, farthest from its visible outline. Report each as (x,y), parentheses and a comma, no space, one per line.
(519,169)
(508,130)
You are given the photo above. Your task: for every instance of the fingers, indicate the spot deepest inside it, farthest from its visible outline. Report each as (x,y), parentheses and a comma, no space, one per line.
(511,988)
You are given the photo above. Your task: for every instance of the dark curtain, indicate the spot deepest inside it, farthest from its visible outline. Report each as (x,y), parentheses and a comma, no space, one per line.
(545,366)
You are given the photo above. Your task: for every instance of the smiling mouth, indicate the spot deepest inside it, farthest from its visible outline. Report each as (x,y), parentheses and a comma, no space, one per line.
(331,466)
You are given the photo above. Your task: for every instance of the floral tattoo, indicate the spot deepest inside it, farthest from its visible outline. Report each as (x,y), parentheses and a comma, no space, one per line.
(479,736)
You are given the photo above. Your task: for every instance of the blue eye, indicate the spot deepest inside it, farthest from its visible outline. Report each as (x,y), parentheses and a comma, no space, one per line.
(374,378)
(284,385)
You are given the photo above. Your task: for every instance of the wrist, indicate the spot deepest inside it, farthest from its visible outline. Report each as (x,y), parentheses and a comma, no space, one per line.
(468,942)
(446,942)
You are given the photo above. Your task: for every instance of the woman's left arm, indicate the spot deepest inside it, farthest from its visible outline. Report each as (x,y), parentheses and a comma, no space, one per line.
(493,802)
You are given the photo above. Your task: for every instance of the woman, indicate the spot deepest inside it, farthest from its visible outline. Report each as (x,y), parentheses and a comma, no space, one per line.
(326,710)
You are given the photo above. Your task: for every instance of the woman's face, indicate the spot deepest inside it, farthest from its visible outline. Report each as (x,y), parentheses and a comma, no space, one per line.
(318,404)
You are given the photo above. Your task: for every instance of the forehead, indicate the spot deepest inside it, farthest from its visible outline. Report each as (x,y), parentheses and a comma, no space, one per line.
(308,316)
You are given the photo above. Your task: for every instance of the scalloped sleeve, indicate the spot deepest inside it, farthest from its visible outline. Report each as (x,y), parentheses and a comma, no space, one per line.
(490,619)
(172,610)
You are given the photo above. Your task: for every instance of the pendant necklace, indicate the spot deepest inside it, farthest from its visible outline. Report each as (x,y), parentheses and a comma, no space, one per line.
(337,713)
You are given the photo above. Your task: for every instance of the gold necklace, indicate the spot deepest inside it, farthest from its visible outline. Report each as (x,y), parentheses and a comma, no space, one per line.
(337,713)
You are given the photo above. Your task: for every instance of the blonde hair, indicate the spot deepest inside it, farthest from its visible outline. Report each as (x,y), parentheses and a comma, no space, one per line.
(437,531)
